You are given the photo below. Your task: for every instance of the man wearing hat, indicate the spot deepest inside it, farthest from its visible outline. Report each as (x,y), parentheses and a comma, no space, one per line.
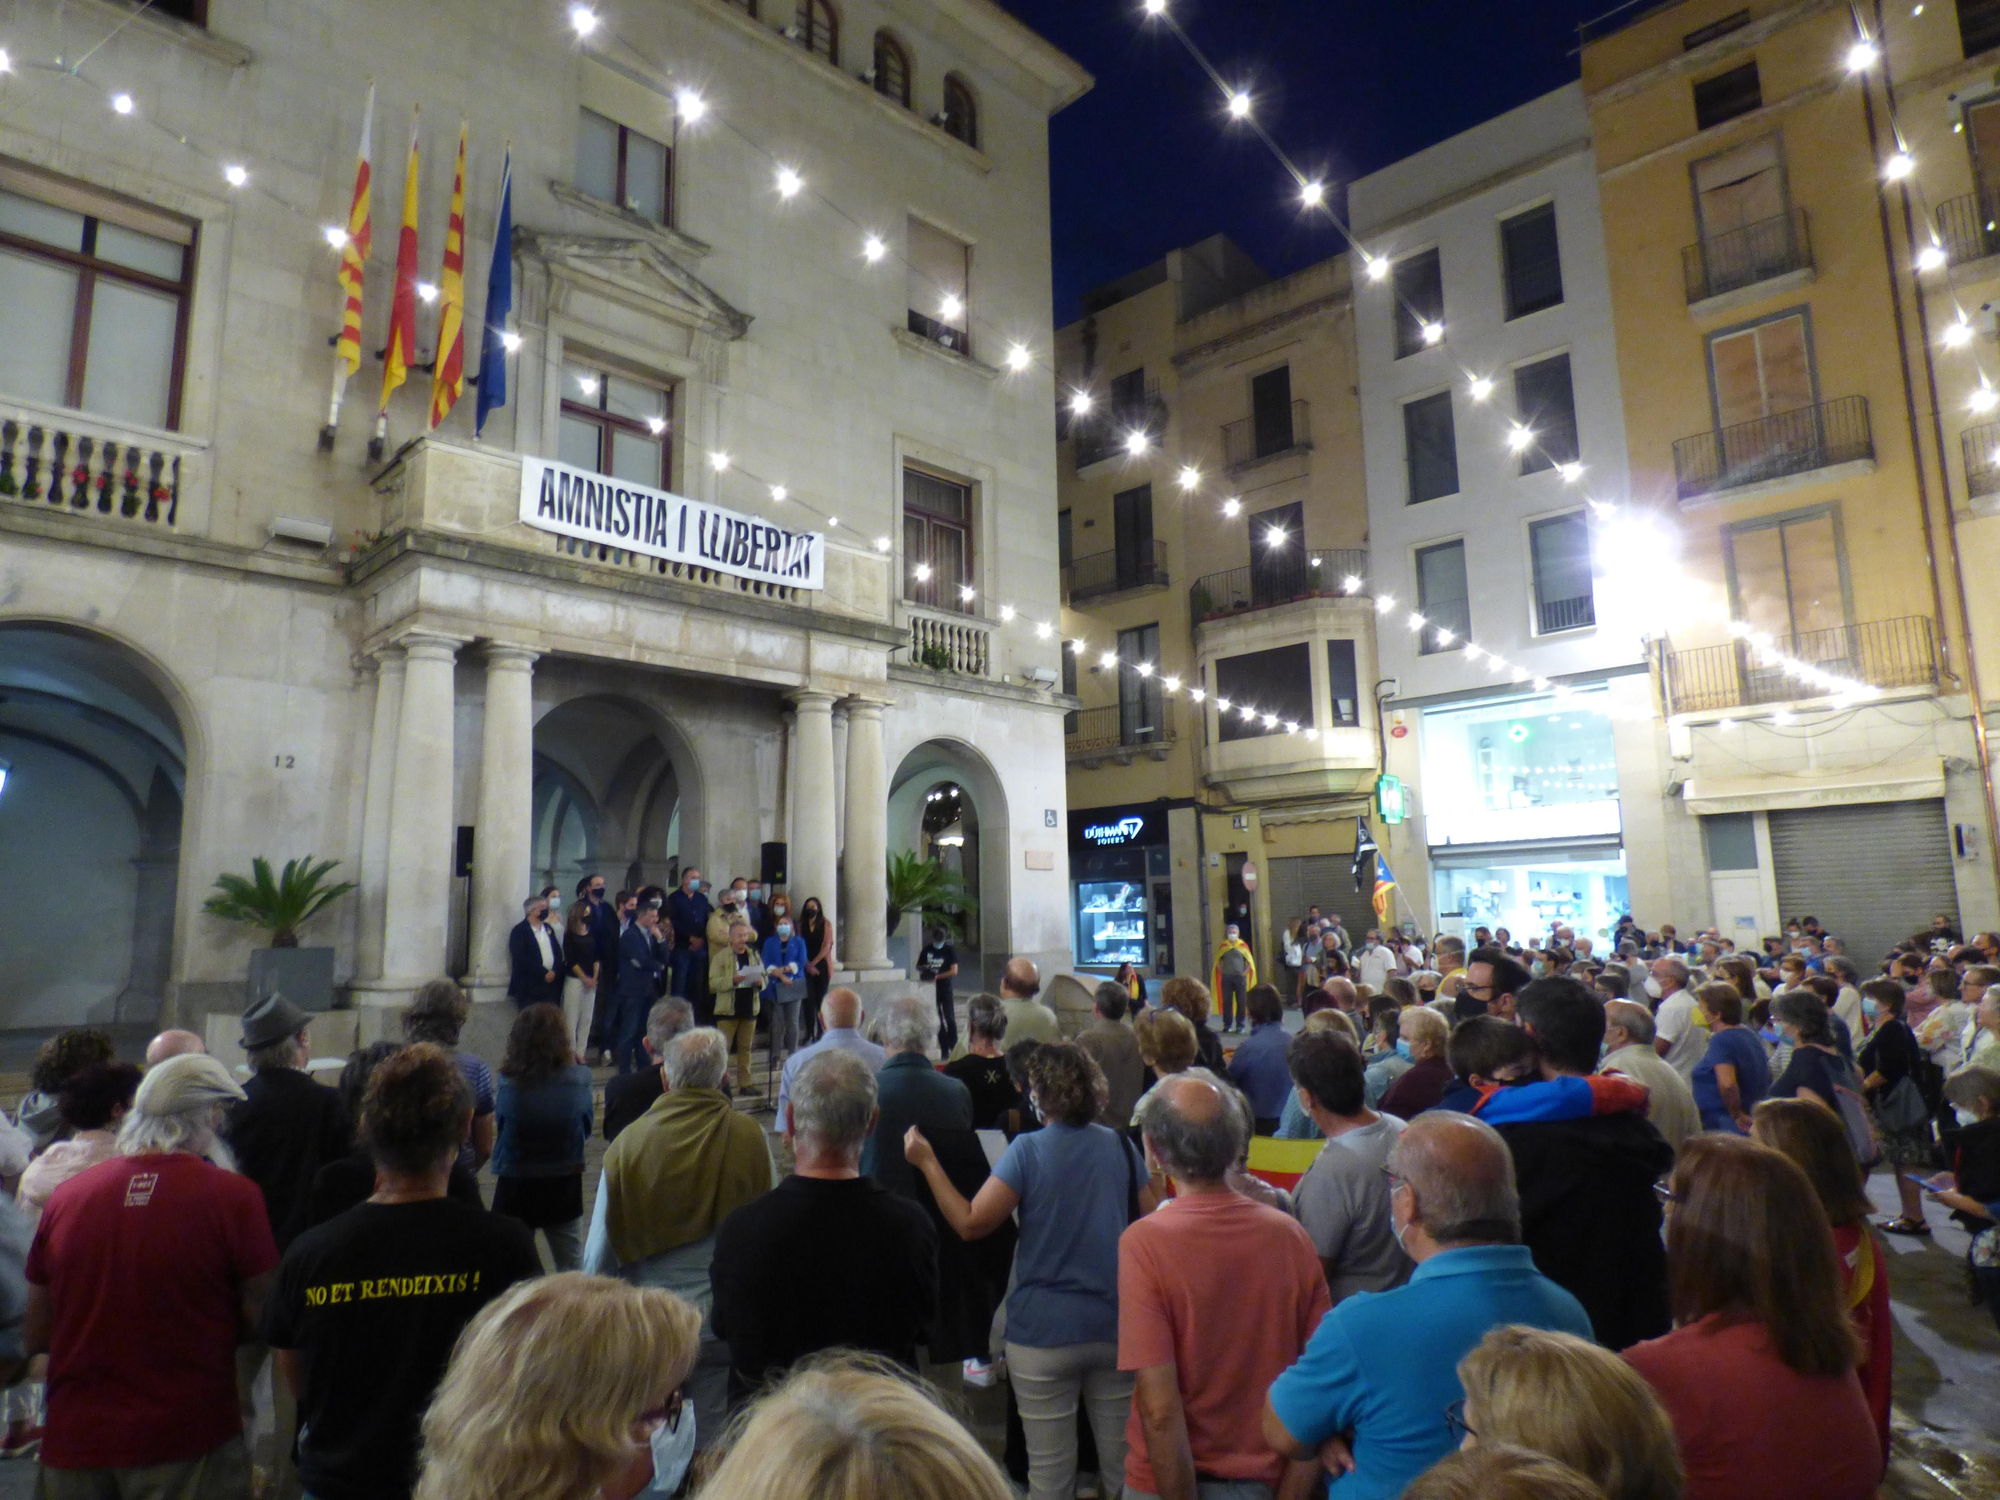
(287,1126)
(145,1272)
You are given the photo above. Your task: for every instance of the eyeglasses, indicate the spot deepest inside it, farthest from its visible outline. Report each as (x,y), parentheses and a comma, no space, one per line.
(1664,1193)
(668,1416)
(1392,1179)
(1456,1425)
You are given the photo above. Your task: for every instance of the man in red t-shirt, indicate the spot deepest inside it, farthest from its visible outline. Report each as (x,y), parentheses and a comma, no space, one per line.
(1204,1339)
(145,1273)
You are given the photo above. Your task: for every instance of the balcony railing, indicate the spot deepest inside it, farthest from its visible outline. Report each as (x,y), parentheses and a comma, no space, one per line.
(1885,654)
(1105,433)
(1969,227)
(1743,257)
(947,642)
(1116,571)
(1247,441)
(1552,615)
(1322,573)
(1981,446)
(1792,442)
(68,468)
(1115,730)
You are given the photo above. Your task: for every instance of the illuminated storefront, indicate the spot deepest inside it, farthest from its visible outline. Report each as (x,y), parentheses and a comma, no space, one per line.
(1120,888)
(1521,814)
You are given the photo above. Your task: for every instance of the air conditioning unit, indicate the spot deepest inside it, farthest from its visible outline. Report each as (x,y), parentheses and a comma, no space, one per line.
(1042,676)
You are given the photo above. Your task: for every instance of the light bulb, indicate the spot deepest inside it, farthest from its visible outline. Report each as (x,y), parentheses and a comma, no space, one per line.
(1156,7)
(872,249)
(123,104)
(1957,334)
(1171,684)
(1984,399)
(1861,56)
(1197,693)
(1433,332)
(1384,604)
(1018,358)
(583,19)
(1222,705)
(789,183)
(832,522)
(1190,477)
(1239,105)
(950,307)
(883,544)
(1899,166)
(427,291)
(1006,610)
(1931,257)
(1480,388)
(588,385)
(1136,442)
(511,342)
(1080,403)
(235,176)
(1108,660)
(656,425)
(1351,583)
(1312,194)
(1275,537)
(716,461)
(1518,439)
(692,106)
(1377,266)
(335,236)
(1231,506)
(1042,630)
(6,62)
(1417,621)
(965,593)
(921,572)
(1571,472)
(1144,669)
(1444,637)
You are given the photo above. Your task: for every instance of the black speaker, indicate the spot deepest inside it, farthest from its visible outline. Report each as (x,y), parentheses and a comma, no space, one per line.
(774,864)
(461,862)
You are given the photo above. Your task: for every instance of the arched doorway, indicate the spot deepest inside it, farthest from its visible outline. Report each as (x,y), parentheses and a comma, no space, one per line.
(613,780)
(94,761)
(945,802)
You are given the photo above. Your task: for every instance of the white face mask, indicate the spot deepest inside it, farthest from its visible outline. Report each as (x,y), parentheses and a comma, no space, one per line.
(1652,986)
(673,1451)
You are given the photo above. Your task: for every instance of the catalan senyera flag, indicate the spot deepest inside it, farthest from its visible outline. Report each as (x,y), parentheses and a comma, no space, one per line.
(401,350)
(354,258)
(449,380)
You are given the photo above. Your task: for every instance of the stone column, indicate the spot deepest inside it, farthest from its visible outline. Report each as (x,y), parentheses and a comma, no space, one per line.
(375,810)
(866,891)
(813,779)
(840,732)
(418,888)
(503,836)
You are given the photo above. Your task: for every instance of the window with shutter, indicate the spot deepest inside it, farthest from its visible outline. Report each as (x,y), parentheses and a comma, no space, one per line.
(939,285)
(892,69)
(1533,261)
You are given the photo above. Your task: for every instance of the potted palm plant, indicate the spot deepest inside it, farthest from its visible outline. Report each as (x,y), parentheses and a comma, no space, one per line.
(922,887)
(281,905)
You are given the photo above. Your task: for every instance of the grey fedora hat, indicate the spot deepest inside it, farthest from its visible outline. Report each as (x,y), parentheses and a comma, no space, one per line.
(271,1019)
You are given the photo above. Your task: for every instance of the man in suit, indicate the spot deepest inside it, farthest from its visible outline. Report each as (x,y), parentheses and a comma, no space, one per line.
(641,961)
(603,919)
(534,958)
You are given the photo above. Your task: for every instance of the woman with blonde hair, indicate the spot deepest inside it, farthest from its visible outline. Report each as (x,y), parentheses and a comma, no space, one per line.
(1558,1395)
(567,1388)
(1500,1471)
(1191,998)
(849,1429)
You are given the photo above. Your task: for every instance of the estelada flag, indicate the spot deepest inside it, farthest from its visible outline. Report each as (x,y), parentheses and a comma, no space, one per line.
(354,250)
(401,350)
(1385,882)
(449,379)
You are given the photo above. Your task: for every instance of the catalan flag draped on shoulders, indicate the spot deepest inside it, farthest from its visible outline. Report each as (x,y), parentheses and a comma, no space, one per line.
(448,380)
(1232,945)
(359,237)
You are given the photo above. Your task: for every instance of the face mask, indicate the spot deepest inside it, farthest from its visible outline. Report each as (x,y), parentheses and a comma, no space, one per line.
(597,893)
(784,929)
(1652,986)
(1538,968)
(740,895)
(1869,1006)
(673,1451)
(693,886)
(1403,1050)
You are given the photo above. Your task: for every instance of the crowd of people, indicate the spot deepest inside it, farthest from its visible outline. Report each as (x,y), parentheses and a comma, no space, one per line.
(1482,1219)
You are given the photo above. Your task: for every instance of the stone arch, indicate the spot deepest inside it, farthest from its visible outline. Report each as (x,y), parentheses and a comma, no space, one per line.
(922,768)
(639,773)
(108,757)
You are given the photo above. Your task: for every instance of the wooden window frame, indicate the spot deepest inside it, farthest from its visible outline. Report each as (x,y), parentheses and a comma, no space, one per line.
(620,196)
(887,47)
(90,270)
(1830,511)
(1802,311)
(943,593)
(810,13)
(961,111)
(609,421)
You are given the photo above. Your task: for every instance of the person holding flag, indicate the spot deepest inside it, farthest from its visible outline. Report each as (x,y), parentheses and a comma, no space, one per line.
(448,379)
(1235,971)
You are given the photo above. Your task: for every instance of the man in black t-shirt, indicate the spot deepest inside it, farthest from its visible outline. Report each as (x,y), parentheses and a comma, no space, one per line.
(939,961)
(367,1306)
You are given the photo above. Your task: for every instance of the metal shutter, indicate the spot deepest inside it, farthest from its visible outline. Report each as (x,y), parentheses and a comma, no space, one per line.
(1873,873)
(1322,880)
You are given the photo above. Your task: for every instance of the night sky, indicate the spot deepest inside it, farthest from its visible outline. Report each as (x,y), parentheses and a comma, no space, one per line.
(1148,160)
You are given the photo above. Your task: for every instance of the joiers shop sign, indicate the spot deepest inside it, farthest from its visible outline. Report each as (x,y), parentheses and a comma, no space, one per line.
(617,513)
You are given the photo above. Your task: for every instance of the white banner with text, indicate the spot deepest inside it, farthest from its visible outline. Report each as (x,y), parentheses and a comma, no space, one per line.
(617,513)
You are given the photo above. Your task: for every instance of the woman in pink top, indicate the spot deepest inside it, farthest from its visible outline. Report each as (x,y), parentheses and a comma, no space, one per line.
(92,1103)
(1759,1372)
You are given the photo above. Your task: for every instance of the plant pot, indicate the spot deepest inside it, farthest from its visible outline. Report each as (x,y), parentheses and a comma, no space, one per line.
(303,976)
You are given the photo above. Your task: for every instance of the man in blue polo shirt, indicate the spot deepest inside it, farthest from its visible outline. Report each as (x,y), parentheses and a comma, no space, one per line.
(1368,1396)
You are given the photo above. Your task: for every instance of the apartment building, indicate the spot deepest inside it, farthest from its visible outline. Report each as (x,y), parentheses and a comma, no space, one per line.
(1799,441)
(1511,640)
(771,265)
(1214,542)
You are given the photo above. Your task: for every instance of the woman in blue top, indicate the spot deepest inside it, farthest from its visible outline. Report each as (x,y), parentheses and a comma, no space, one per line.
(1077,1184)
(542,1109)
(785,965)
(1734,1073)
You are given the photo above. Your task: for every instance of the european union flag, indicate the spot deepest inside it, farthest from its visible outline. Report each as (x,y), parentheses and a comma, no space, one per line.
(499,303)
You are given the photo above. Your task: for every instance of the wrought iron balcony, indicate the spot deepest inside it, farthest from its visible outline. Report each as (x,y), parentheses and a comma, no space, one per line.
(1981,446)
(1105,432)
(1739,674)
(1792,442)
(1251,440)
(1743,257)
(1119,731)
(1115,572)
(1322,573)
(1969,228)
